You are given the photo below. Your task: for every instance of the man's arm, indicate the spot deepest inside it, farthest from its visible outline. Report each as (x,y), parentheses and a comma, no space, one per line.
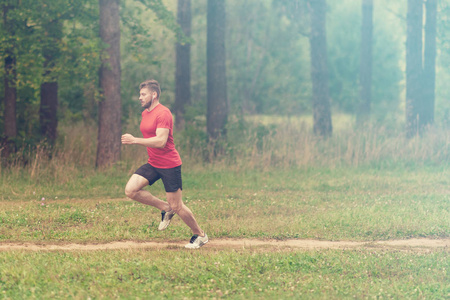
(158,141)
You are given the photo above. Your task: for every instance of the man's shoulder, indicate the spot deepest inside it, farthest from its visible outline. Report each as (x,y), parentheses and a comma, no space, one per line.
(158,110)
(163,108)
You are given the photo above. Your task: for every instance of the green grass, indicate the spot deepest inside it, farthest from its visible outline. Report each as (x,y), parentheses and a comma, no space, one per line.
(362,186)
(207,274)
(330,204)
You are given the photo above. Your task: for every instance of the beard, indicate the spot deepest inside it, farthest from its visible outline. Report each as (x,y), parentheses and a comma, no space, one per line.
(148,104)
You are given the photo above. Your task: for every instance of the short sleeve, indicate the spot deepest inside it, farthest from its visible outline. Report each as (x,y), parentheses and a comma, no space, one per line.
(164,120)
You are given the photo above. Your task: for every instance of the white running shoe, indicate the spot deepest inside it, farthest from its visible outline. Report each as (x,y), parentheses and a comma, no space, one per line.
(165,219)
(197,241)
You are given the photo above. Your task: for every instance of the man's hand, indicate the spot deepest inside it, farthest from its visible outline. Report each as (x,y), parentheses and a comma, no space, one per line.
(128,139)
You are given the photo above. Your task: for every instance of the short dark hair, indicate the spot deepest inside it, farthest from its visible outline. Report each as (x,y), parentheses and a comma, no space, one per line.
(152,85)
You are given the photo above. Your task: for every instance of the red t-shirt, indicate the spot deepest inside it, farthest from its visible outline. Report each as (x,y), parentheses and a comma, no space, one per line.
(160,117)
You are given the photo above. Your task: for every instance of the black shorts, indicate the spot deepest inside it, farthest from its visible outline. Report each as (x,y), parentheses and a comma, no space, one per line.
(171,178)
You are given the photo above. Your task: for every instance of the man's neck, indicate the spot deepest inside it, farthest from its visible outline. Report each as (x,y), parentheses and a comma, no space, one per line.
(154,104)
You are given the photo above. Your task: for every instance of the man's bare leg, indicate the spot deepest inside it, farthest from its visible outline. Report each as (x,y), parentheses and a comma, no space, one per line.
(176,203)
(134,190)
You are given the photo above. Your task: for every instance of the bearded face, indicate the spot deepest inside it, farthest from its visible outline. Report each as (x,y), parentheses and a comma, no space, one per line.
(146,97)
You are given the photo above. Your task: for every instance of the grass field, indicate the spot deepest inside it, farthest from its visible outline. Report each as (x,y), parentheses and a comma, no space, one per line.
(357,186)
(233,274)
(358,204)
(339,204)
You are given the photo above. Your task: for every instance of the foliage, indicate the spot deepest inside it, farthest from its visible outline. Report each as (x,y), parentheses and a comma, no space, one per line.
(18,37)
(443,62)
(263,76)
(259,69)
(344,55)
(268,141)
(288,31)
(268,56)
(165,16)
(148,37)
(257,141)
(267,59)
(82,50)
(198,57)
(77,63)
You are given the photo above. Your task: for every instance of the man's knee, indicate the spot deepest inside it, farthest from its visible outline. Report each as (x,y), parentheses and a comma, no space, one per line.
(130,192)
(134,185)
(175,200)
(176,207)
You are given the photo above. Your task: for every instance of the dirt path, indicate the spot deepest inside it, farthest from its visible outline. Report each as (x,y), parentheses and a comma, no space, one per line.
(217,244)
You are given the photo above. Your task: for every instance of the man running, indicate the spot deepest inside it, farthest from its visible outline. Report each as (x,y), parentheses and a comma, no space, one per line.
(164,163)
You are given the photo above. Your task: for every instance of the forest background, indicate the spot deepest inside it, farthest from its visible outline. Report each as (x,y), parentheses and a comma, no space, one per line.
(268,63)
(296,152)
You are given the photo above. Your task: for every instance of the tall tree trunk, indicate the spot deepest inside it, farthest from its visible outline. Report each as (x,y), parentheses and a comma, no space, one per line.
(48,111)
(365,66)
(183,65)
(319,69)
(10,96)
(110,108)
(49,89)
(414,21)
(217,113)
(429,71)
(9,114)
